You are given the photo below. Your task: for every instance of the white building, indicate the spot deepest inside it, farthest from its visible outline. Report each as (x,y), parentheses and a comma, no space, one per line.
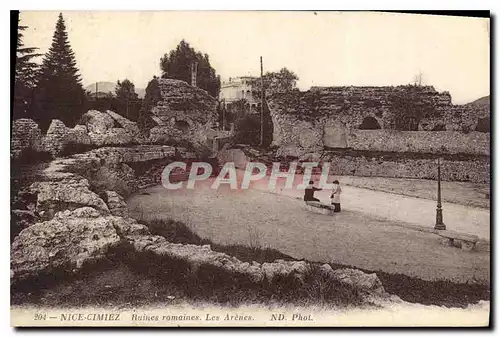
(236,89)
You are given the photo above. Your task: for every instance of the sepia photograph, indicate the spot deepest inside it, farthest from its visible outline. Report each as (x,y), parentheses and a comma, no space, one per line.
(250,169)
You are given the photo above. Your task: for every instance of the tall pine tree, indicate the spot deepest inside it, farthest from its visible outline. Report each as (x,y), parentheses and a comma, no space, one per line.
(59,92)
(26,72)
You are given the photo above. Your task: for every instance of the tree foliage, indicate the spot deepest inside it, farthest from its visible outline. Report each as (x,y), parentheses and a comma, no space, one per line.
(177,64)
(26,72)
(59,93)
(281,81)
(125,90)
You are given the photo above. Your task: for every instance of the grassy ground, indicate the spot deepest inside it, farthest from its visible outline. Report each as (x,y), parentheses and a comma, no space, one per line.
(126,280)
(131,280)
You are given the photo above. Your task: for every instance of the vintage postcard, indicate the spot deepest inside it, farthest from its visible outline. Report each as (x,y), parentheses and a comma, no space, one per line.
(242,169)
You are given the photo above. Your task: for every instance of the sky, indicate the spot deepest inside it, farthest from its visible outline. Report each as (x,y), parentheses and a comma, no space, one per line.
(323,48)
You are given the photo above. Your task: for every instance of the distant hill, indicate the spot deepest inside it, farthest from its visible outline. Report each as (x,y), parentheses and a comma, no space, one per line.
(104,88)
(483,101)
(100,94)
(140,92)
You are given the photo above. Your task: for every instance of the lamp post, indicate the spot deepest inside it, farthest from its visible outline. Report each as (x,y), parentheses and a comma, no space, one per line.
(439,210)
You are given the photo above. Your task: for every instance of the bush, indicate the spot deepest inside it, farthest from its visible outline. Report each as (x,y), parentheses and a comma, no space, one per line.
(247,130)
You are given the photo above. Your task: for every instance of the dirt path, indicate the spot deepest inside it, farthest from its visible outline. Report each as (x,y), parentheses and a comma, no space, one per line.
(352,237)
(396,207)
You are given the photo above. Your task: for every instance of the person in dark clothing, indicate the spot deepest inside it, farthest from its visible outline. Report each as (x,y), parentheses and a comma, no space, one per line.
(336,196)
(309,192)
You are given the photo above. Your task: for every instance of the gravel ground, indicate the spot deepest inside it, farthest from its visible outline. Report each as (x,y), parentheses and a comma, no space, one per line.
(353,237)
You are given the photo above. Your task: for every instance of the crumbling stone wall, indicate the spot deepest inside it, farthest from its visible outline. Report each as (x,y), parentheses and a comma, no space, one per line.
(349,105)
(97,129)
(332,117)
(182,112)
(25,134)
(58,135)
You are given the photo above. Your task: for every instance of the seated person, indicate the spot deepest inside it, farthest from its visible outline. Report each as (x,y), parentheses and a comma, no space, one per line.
(309,192)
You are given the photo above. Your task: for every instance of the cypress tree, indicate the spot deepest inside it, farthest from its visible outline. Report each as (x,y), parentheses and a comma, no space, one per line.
(59,92)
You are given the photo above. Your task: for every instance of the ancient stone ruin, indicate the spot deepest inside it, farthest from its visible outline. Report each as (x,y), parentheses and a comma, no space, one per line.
(26,134)
(184,113)
(368,131)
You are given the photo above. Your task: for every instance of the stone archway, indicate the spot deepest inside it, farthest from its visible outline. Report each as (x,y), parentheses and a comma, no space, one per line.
(369,123)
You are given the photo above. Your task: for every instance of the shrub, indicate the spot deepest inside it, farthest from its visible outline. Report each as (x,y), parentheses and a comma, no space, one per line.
(247,130)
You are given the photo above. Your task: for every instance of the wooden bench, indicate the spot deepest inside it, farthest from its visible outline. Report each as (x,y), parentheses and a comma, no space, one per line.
(464,241)
(319,207)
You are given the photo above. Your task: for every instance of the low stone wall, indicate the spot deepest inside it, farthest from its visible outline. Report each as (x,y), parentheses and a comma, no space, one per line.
(309,136)
(413,165)
(476,170)
(451,142)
